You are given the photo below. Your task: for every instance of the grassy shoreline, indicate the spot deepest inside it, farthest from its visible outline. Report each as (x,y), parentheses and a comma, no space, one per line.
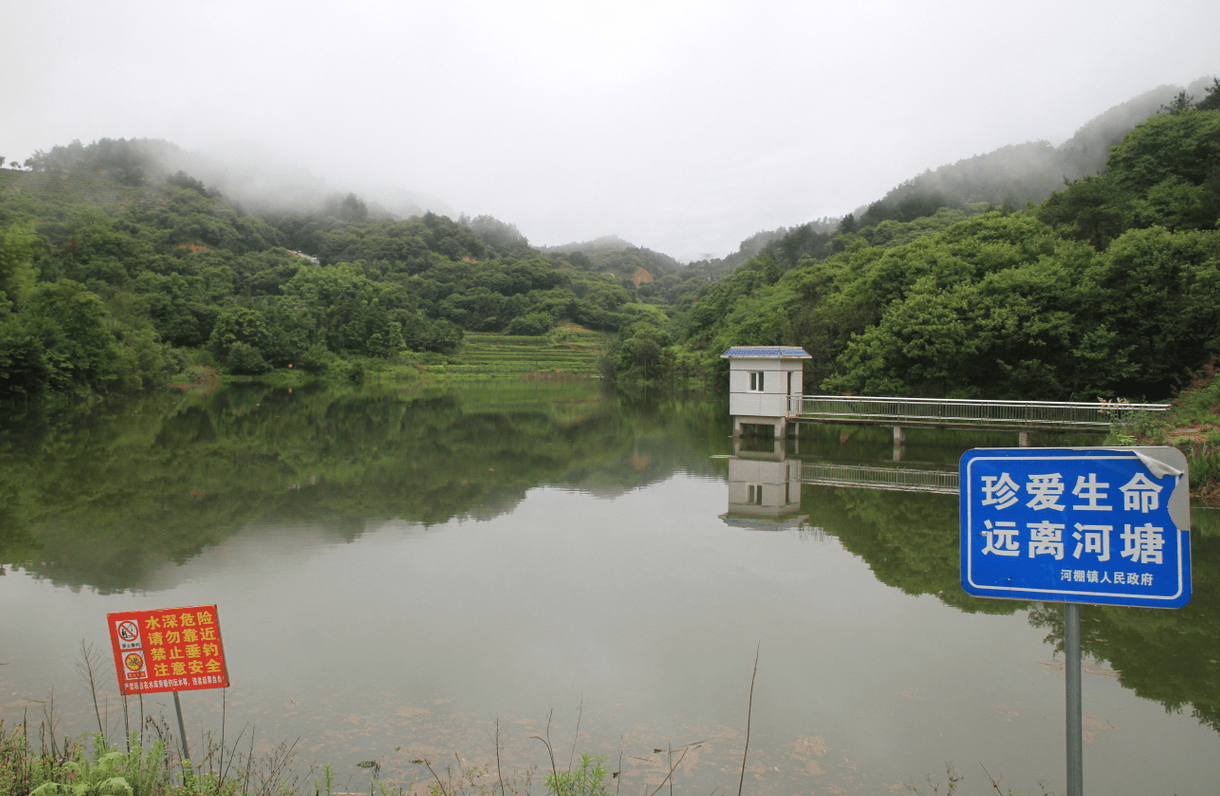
(1192,425)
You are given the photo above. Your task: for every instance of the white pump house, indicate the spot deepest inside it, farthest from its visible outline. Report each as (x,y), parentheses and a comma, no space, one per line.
(765,386)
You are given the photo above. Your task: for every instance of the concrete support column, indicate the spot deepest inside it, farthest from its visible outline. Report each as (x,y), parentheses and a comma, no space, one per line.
(1023,439)
(900,439)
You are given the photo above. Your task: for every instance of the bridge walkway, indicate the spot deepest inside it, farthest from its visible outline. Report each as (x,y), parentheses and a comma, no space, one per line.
(960,413)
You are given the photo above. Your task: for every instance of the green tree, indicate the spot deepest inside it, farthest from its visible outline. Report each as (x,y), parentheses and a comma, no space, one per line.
(1184,145)
(347,208)
(534,323)
(643,353)
(442,337)
(1211,102)
(244,325)
(1161,295)
(245,359)
(1092,209)
(19,245)
(23,369)
(1178,104)
(71,345)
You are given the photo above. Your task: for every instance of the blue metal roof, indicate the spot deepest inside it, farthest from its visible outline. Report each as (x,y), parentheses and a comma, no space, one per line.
(766,351)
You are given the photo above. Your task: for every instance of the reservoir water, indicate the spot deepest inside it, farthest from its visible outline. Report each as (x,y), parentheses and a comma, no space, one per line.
(440,573)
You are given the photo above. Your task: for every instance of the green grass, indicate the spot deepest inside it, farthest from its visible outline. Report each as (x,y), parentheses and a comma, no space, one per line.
(1197,402)
(1192,425)
(566,350)
(97,768)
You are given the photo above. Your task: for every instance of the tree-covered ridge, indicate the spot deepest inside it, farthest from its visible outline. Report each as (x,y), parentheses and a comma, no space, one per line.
(1110,287)
(1008,177)
(1030,172)
(116,274)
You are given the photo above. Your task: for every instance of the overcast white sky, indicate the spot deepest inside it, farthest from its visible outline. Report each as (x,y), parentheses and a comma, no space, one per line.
(681,126)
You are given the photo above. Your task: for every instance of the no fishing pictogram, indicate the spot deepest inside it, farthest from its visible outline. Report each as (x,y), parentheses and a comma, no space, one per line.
(168,649)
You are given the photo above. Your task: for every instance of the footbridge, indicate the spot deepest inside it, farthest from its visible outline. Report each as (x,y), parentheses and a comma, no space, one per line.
(957,413)
(1020,416)
(765,390)
(765,486)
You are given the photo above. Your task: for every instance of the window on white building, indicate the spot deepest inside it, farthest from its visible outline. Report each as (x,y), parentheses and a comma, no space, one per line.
(756,381)
(754,494)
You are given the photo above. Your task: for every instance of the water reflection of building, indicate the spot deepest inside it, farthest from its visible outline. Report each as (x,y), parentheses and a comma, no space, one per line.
(764,488)
(765,478)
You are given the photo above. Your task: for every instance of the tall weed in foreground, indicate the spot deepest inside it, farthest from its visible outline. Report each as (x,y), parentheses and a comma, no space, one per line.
(74,770)
(1204,465)
(1192,425)
(1195,402)
(110,772)
(24,772)
(586,780)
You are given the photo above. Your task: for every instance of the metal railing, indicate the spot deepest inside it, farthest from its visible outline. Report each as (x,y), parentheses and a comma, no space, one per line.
(966,412)
(888,478)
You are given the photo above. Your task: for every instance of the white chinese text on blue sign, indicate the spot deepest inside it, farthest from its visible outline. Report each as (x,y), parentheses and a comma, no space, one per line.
(1103,526)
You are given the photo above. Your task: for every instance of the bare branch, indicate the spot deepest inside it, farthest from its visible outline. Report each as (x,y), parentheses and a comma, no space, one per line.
(749,715)
(994,782)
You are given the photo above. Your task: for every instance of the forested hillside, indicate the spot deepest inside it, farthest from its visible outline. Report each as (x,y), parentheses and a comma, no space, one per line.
(1111,287)
(1030,172)
(1011,177)
(117,274)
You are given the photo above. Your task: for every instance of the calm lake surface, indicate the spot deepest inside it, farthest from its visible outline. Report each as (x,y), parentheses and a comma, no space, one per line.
(400,573)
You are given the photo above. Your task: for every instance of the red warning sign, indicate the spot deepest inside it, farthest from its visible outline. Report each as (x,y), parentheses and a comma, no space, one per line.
(168,649)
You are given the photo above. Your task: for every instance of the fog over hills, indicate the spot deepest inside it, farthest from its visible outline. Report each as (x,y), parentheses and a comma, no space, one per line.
(142,266)
(263,182)
(1031,171)
(683,127)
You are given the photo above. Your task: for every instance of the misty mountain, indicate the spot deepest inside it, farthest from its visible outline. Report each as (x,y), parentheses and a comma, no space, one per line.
(1107,287)
(611,254)
(250,176)
(1030,172)
(759,241)
(118,270)
(115,275)
(267,185)
(606,243)
(1010,177)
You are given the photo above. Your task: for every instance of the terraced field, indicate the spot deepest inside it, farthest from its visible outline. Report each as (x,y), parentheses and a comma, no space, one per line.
(569,350)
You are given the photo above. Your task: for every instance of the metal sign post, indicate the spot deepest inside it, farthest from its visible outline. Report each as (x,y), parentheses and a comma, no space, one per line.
(186,753)
(1073,699)
(1098,526)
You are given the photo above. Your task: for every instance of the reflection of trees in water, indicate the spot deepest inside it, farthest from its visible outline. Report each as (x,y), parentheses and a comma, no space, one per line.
(1170,656)
(910,541)
(101,497)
